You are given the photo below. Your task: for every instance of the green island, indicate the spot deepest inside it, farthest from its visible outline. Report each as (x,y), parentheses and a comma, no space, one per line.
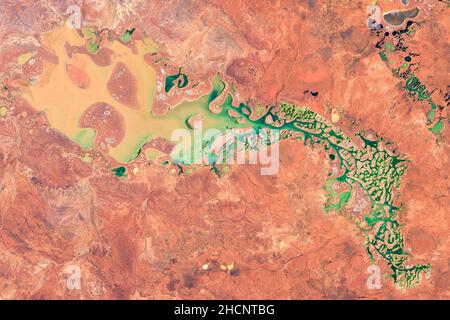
(126,37)
(119,171)
(179,79)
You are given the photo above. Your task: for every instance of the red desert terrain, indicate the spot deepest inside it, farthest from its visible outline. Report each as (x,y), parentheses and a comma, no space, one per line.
(72,229)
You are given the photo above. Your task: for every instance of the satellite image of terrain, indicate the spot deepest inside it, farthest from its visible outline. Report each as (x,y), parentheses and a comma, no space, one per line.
(233,149)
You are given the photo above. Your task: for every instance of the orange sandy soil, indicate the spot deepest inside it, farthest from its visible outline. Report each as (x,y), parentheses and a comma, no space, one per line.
(148,236)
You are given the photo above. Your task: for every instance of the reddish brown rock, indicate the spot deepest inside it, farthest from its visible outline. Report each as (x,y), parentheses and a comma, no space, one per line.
(77,75)
(107,121)
(123,87)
